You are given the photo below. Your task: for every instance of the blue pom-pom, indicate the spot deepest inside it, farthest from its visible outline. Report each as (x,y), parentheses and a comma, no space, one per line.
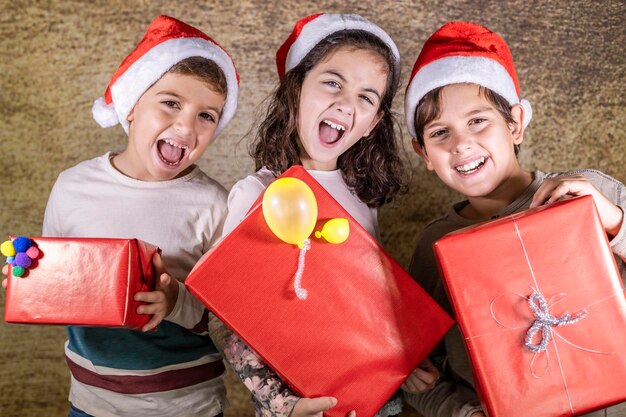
(21,259)
(22,243)
(10,259)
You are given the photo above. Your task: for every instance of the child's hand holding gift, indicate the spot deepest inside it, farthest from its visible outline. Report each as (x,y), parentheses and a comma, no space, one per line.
(162,300)
(559,188)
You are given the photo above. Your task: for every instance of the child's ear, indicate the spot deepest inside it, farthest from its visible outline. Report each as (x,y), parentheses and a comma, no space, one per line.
(377,119)
(131,115)
(419,149)
(517,128)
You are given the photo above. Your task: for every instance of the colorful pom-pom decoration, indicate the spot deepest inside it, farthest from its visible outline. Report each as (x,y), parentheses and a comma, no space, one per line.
(21,259)
(21,244)
(32,252)
(7,248)
(18,271)
(20,254)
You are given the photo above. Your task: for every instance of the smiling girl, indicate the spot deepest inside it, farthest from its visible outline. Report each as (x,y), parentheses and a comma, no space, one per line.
(334,118)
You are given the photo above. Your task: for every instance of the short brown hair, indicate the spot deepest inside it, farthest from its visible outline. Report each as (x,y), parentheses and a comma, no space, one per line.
(203,69)
(429,108)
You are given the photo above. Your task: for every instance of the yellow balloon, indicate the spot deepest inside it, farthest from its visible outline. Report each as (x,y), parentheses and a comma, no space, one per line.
(290,210)
(335,230)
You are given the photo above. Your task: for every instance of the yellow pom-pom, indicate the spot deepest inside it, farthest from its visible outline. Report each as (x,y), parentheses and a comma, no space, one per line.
(7,248)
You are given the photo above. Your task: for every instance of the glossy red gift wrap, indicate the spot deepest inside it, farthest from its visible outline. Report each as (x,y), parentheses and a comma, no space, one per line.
(363,328)
(82,281)
(559,252)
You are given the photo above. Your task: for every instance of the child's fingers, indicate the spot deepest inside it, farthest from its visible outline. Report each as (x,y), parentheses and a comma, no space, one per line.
(4,283)
(313,406)
(154,322)
(150,296)
(555,189)
(420,381)
(5,270)
(159,266)
(167,284)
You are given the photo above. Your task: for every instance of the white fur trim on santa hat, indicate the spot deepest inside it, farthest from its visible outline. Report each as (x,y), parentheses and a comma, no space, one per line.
(321,27)
(461,69)
(148,69)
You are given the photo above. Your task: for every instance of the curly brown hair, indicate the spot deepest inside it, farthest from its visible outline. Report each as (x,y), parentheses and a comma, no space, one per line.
(372,167)
(429,108)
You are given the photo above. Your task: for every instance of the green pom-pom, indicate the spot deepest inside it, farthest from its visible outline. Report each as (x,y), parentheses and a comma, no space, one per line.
(17,271)
(7,248)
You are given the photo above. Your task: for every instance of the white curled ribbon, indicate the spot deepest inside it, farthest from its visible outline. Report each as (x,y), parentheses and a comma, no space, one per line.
(301,293)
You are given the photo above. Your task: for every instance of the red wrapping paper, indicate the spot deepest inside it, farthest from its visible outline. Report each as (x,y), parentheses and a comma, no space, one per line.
(561,251)
(364,327)
(82,281)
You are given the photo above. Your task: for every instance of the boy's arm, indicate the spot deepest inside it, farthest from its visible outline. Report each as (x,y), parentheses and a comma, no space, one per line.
(448,398)
(172,301)
(608,194)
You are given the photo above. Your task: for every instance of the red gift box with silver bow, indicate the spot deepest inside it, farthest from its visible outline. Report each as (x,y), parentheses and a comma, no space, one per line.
(540,304)
(363,327)
(82,281)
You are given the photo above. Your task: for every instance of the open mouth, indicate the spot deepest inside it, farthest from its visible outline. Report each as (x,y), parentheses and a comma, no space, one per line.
(170,152)
(331,132)
(471,167)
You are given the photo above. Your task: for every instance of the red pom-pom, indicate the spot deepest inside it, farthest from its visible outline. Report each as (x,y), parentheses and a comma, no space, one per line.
(32,252)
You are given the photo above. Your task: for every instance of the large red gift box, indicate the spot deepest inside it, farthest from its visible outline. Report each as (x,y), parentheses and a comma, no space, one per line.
(82,281)
(363,328)
(511,282)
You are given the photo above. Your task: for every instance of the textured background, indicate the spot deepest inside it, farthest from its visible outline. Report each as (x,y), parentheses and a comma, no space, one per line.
(57,57)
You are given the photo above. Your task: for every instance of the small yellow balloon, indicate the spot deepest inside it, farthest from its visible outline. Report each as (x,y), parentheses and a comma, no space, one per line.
(335,230)
(290,210)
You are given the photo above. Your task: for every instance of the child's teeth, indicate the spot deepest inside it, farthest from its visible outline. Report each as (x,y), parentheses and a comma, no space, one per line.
(471,165)
(333,125)
(170,142)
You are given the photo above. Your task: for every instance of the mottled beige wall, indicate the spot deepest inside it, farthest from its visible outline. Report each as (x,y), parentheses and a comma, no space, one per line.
(57,57)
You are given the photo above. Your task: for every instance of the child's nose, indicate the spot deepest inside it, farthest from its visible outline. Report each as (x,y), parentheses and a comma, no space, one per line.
(461,142)
(345,104)
(184,123)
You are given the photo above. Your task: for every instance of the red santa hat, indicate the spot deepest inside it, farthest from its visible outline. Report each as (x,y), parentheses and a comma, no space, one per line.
(463,52)
(166,42)
(310,30)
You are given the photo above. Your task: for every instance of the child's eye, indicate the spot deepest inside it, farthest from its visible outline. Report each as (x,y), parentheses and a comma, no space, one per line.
(170,103)
(368,100)
(333,84)
(437,134)
(477,121)
(208,117)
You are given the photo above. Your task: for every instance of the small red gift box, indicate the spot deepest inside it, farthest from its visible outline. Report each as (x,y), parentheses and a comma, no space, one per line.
(512,282)
(363,328)
(82,281)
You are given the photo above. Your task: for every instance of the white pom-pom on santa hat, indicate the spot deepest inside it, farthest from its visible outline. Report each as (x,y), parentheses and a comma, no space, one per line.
(463,52)
(104,113)
(310,30)
(167,41)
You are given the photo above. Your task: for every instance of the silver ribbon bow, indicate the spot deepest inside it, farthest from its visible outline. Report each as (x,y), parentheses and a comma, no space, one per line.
(544,322)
